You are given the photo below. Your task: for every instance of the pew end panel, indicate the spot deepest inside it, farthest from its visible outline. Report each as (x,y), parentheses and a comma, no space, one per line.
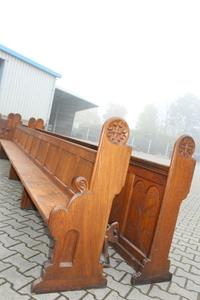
(177,188)
(79,228)
(148,217)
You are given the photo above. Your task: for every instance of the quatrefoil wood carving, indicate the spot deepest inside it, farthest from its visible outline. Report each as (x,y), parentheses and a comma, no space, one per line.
(118,132)
(186,147)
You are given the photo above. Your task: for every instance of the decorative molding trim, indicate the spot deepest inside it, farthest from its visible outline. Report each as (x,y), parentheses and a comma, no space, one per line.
(79,184)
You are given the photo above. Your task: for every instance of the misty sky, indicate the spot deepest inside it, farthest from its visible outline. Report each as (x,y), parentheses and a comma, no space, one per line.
(129,52)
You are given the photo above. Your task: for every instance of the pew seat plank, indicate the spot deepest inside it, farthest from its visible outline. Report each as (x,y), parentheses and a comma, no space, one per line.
(43,192)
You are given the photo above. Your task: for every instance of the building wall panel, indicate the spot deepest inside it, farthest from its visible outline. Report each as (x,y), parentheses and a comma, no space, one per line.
(25,89)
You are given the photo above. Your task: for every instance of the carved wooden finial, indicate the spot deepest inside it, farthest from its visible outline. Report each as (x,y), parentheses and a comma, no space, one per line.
(79,184)
(31,123)
(117,131)
(39,124)
(11,116)
(186,146)
(17,117)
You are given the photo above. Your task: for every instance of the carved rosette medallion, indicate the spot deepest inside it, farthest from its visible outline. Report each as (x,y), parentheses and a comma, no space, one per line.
(186,147)
(79,184)
(118,132)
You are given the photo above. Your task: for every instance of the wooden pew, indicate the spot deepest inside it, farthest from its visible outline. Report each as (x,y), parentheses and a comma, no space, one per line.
(72,187)
(35,124)
(147,209)
(147,218)
(145,206)
(8,124)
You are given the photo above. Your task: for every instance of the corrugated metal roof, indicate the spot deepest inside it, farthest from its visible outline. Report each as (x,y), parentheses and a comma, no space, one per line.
(29,61)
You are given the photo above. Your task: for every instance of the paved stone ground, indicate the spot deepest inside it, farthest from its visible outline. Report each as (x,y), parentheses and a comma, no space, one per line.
(24,245)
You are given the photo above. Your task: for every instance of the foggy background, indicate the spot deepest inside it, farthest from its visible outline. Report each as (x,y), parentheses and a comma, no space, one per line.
(137,59)
(157,127)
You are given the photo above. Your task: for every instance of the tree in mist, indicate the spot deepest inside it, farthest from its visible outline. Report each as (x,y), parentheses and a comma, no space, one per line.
(147,128)
(148,121)
(114,110)
(155,132)
(183,115)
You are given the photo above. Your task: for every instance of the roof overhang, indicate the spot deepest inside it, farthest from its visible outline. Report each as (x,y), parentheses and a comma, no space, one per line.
(29,61)
(74,101)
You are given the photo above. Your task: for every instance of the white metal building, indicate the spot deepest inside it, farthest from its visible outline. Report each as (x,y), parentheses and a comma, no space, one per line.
(26,87)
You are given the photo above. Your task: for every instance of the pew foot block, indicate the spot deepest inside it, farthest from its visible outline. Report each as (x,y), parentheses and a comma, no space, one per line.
(69,283)
(141,280)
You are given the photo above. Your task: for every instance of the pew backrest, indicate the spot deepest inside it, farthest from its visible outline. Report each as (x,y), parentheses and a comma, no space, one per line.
(59,159)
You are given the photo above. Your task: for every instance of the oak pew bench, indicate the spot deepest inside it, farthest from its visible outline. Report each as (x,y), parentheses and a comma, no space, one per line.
(147,208)
(10,122)
(7,125)
(72,187)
